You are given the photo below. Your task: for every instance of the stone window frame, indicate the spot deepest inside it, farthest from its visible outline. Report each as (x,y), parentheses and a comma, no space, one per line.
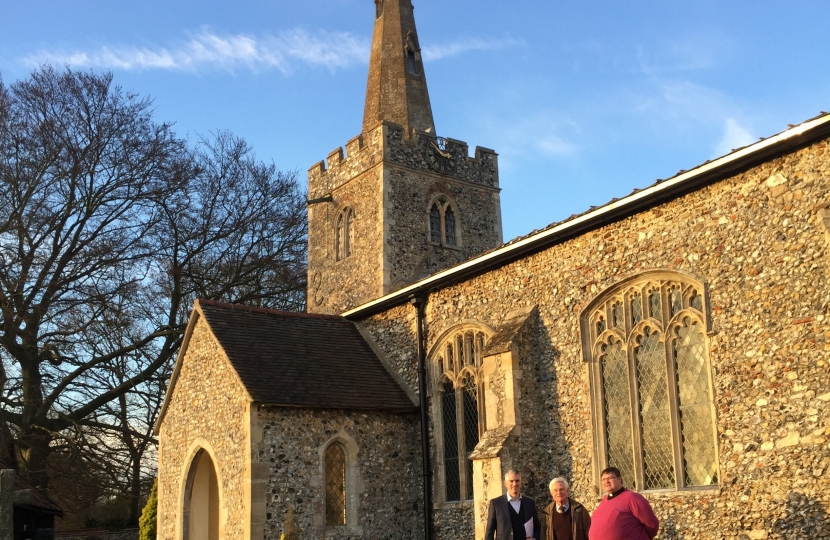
(455,376)
(352,482)
(595,329)
(443,203)
(344,233)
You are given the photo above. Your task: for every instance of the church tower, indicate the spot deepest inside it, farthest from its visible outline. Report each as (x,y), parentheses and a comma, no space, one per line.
(400,203)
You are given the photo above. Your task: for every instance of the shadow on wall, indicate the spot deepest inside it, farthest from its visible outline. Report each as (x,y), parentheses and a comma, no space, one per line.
(799,518)
(555,450)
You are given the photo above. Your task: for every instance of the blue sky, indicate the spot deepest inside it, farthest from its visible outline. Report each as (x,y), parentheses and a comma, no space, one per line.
(584,101)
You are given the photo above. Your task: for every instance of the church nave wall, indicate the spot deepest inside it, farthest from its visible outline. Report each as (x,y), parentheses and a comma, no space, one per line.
(757,240)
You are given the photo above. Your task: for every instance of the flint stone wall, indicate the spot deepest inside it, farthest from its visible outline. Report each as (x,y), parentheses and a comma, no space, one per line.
(208,404)
(389,183)
(760,241)
(387,486)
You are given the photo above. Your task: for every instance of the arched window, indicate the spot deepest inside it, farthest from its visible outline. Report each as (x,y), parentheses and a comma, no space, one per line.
(435,224)
(334,462)
(456,368)
(651,382)
(344,234)
(201,504)
(378,8)
(443,223)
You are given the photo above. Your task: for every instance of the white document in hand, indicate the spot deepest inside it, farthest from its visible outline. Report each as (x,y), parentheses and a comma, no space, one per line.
(529,528)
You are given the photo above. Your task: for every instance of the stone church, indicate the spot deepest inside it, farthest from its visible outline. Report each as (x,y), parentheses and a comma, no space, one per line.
(679,333)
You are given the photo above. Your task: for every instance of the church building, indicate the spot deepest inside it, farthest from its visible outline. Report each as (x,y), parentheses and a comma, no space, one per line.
(679,334)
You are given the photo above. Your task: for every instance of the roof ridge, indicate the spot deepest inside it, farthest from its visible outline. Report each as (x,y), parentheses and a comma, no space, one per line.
(256,309)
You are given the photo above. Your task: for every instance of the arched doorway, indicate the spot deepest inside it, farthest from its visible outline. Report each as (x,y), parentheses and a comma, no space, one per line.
(201,504)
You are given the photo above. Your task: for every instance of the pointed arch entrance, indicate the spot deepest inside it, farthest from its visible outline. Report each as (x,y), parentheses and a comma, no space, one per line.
(201,501)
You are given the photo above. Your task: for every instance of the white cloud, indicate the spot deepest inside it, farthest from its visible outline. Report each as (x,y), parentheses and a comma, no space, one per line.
(437,52)
(734,136)
(207,50)
(693,52)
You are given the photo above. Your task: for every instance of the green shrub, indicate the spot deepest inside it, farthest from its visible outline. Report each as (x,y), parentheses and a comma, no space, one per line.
(147,522)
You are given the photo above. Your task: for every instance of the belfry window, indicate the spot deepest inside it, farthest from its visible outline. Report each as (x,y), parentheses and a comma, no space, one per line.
(344,234)
(651,382)
(410,62)
(443,223)
(456,370)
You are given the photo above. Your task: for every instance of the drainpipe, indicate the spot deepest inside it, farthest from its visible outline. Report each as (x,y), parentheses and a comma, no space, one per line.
(420,302)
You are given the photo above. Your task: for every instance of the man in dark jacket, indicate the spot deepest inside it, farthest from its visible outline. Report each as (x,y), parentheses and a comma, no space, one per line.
(564,518)
(512,516)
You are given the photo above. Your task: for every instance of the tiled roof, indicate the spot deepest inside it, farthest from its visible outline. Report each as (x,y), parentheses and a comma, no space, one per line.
(303,360)
(27,496)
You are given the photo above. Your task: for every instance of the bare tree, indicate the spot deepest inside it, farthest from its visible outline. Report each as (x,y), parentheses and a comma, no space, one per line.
(110,227)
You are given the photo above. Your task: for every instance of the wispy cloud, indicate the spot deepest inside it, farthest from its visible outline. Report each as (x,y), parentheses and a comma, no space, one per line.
(734,136)
(692,52)
(207,50)
(455,48)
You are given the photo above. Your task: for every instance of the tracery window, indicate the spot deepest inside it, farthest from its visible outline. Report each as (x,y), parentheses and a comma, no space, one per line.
(443,223)
(653,406)
(456,370)
(344,234)
(334,462)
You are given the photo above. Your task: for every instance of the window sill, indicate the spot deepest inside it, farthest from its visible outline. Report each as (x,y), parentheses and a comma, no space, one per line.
(340,530)
(452,504)
(445,246)
(673,493)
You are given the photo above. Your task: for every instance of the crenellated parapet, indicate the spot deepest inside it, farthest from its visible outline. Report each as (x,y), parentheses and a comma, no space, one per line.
(343,164)
(448,157)
(423,152)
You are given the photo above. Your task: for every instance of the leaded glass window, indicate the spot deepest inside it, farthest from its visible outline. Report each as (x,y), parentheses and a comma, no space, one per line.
(335,469)
(443,223)
(458,364)
(471,427)
(449,225)
(435,224)
(651,380)
(450,421)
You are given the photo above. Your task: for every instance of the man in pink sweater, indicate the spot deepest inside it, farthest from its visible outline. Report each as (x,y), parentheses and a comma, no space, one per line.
(622,514)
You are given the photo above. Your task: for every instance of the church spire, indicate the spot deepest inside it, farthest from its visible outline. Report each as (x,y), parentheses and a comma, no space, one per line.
(397,88)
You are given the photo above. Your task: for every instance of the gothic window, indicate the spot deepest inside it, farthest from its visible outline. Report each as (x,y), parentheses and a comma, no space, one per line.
(443,223)
(449,226)
(344,234)
(651,382)
(456,369)
(435,224)
(334,462)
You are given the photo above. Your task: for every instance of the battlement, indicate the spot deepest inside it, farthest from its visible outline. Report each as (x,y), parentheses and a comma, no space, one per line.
(388,141)
(343,164)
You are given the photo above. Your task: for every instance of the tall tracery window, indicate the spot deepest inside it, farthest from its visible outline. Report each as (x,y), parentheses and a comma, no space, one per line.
(344,234)
(335,473)
(443,223)
(456,370)
(651,382)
